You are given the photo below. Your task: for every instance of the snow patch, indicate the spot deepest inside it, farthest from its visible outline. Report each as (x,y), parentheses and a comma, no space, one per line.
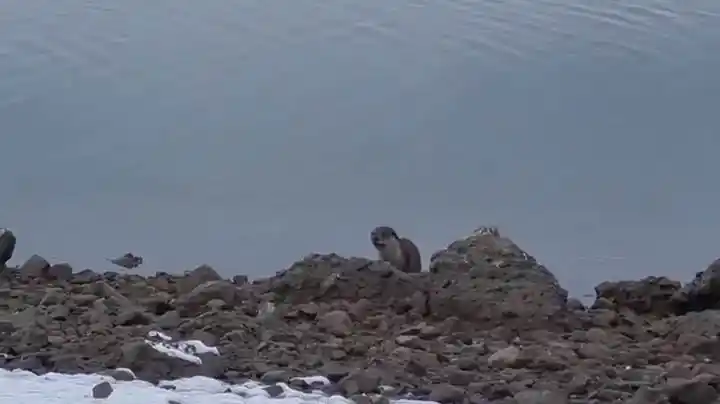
(185,350)
(56,388)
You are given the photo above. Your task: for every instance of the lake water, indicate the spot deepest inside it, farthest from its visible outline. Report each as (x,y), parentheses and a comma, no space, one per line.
(246,134)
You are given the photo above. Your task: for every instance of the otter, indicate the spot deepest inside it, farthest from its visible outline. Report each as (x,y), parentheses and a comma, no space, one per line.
(401,253)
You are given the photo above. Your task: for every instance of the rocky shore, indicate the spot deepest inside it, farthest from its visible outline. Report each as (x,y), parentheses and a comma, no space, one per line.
(486,324)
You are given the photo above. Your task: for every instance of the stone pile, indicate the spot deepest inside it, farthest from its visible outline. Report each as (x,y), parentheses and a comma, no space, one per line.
(486,324)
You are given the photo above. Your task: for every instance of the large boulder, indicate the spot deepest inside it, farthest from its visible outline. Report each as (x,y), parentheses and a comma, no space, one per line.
(488,279)
(702,293)
(479,252)
(651,295)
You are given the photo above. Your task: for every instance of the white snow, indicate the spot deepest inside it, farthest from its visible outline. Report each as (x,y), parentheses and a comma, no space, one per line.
(185,350)
(55,388)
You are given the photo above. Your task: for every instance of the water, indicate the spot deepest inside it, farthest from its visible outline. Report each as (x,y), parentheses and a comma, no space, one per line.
(248,134)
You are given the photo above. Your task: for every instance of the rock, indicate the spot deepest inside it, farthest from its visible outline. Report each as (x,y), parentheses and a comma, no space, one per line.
(322,278)
(651,295)
(275,376)
(7,246)
(704,324)
(575,304)
(240,280)
(491,281)
(102,390)
(458,377)
(360,381)
(169,321)
(336,322)
(489,324)
(53,296)
(702,293)
(197,277)
(540,397)
(334,371)
(648,395)
(694,391)
(445,393)
(124,375)
(61,272)
(85,276)
(506,357)
(274,391)
(194,302)
(35,267)
(151,365)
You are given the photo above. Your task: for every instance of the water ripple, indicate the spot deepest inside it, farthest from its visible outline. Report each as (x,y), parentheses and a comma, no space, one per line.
(114,41)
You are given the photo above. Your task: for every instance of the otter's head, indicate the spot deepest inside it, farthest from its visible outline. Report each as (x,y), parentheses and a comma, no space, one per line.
(383,236)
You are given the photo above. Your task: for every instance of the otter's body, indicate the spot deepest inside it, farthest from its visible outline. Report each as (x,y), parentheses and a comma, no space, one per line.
(401,253)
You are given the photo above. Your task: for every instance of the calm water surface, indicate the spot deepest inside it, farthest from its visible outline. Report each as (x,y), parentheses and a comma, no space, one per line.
(245,134)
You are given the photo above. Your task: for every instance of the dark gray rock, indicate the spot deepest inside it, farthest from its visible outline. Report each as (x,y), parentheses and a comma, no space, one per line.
(7,246)
(276,376)
(102,390)
(274,391)
(491,281)
(124,375)
(702,293)
(651,295)
(35,267)
(445,393)
(62,272)
(197,277)
(693,392)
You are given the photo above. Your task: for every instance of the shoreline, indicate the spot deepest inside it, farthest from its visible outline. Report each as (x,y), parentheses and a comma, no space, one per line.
(488,323)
